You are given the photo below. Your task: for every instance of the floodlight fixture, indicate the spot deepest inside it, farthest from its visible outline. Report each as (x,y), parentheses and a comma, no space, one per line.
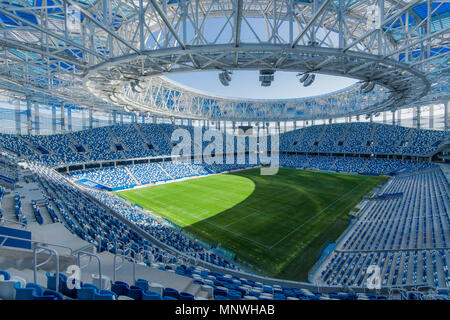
(225,77)
(266,77)
(309,80)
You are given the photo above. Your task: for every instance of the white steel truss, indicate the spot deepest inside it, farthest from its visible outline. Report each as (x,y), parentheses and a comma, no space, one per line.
(92,52)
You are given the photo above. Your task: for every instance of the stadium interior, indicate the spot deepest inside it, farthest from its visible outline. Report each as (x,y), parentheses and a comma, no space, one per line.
(95,204)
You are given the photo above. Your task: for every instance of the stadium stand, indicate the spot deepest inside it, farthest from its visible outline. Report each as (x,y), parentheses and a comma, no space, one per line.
(147,140)
(392,232)
(406,237)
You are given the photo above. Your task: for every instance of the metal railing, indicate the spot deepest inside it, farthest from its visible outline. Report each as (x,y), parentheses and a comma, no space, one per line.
(53,253)
(23,225)
(91,255)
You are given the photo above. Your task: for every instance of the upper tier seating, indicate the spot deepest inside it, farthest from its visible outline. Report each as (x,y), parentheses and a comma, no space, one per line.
(145,140)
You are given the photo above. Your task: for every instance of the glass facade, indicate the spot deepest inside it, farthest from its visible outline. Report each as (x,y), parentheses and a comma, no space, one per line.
(22,117)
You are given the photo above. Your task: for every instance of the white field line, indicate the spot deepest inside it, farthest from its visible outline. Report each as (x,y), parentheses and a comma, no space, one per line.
(240,235)
(314,216)
(220,227)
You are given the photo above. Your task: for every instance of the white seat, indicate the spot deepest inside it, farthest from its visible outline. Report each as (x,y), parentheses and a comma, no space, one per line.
(7,290)
(200,298)
(156,287)
(124,298)
(106,281)
(250,298)
(208,289)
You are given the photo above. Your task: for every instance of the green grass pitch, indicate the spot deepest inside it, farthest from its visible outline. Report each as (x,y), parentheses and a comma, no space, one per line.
(276,225)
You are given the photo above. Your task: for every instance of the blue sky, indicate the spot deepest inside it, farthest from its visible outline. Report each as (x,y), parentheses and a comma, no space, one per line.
(245,84)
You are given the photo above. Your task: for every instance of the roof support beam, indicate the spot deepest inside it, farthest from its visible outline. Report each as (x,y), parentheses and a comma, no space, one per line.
(385,22)
(238,22)
(237,27)
(18,45)
(167,23)
(54,35)
(311,22)
(102,26)
(420,40)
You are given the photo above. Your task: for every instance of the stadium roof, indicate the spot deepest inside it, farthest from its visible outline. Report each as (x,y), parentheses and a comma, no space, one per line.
(111,54)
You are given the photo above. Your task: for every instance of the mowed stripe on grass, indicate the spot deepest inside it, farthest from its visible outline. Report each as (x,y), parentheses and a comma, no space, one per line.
(276,224)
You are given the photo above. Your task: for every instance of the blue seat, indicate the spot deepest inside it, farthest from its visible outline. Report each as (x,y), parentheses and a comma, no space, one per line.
(87,292)
(120,288)
(169,292)
(135,293)
(105,295)
(151,295)
(27,293)
(234,296)
(142,283)
(186,296)
(5,274)
(169,298)
(51,293)
(62,286)
(33,291)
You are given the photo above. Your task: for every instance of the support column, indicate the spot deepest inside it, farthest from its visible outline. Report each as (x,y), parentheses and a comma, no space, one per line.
(62,119)
(91,119)
(17,117)
(418,117)
(37,129)
(399,117)
(431,117)
(83,118)
(114,113)
(69,119)
(53,119)
(393,117)
(29,121)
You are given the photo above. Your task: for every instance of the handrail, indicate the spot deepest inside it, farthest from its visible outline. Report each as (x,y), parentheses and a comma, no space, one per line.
(91,255)
(13,222)
(36,242)
(54,253)
(124,258)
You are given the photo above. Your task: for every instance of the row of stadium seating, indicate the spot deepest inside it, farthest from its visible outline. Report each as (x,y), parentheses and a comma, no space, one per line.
(146,140)
(125,177)
(111,177)
(362,138)
(372,166)
(221,286)
(406,236)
